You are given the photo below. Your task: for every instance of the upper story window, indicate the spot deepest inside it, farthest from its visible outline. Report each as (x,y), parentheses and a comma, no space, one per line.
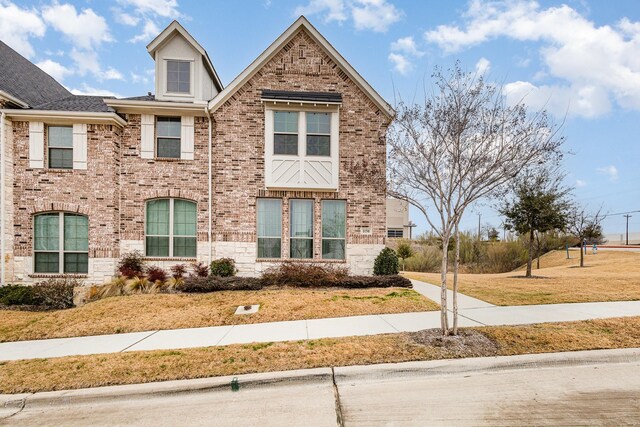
(61,243)
(318,134)
(168,131)
(170,229)
(60,145)
(285,135)
(178,76)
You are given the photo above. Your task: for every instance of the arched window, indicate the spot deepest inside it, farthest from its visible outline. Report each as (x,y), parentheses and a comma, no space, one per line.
(61,243)
(170,228)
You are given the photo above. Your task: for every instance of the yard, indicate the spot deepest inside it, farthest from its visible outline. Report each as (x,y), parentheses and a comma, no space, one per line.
(138,367)
(172,311)
(607,276)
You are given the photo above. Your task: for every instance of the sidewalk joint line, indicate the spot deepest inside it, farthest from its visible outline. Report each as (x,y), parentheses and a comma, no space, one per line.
(389,323)
(139,341)
(224,336)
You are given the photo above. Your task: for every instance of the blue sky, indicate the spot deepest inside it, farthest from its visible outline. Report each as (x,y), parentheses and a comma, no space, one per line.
(581,58)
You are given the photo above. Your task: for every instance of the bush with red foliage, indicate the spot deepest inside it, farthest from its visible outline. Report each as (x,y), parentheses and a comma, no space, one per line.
(155,273)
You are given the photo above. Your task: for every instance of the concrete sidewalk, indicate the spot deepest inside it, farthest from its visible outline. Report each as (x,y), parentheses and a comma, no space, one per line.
(473,312)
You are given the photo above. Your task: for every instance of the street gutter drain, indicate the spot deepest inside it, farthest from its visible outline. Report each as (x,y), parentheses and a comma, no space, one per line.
(247,309)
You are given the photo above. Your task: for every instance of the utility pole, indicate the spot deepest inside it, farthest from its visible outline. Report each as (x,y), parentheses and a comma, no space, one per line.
(627,216)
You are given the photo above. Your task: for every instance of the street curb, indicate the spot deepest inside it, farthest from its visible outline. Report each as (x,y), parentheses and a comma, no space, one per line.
(480,365)
(165,388)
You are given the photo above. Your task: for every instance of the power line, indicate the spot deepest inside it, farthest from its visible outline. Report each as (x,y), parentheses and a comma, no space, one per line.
(620,213)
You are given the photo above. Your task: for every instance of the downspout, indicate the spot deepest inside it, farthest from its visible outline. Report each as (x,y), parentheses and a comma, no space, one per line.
(2,196)
(206,110)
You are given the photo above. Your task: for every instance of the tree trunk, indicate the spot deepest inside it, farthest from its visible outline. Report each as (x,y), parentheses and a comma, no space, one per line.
(456,263)
(581,253)
(530,257)
(538,251)
(444,318)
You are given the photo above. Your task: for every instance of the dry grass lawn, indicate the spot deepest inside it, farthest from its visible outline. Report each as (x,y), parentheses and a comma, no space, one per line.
(168,311)
(607,276)
(138,367)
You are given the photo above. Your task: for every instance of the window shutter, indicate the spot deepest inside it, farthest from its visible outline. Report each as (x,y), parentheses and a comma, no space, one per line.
(147,143)
(36,144)
(186,138)
(79,146)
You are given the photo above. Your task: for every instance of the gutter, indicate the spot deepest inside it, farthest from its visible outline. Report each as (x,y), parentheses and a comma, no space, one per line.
(210,184)
(13,99)
(2,197)
(79,116)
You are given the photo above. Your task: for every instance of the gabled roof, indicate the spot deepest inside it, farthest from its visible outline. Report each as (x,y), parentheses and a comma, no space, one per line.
(25,81)
(176,28)
(276,46)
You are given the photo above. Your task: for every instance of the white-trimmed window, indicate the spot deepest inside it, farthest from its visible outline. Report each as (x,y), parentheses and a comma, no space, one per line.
(285,133)
(170,228)
(269,222)
(60,147)
(318,134)
(395,233)
(178,76)
(168,137)
(301,226)
(334,227)
(61,243)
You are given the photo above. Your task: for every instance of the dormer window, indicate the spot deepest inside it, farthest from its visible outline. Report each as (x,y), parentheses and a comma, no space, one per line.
(178,76)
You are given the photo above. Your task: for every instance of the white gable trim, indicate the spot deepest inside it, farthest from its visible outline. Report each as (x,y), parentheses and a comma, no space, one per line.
(275,47)
(167,34)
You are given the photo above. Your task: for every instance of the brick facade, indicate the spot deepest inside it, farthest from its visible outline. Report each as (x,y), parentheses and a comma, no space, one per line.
(112,191)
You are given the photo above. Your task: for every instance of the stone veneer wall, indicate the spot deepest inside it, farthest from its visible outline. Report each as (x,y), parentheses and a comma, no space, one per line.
(7,208)
(301,65)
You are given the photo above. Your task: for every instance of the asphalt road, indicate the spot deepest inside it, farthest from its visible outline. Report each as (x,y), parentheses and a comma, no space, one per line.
(524,390)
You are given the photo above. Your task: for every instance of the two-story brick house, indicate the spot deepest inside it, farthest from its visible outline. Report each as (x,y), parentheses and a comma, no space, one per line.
(286,162)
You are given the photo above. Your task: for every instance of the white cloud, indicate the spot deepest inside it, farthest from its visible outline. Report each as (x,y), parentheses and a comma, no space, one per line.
(483,66)
(87,62)
(595,63)
(403,51)
(54,69)
(85,30)
(149,31)
(163,8)
(400,63)
(580,183)
(125,18)
(89,90)
(138,78)
(610,171)
(17,25)
(374,15)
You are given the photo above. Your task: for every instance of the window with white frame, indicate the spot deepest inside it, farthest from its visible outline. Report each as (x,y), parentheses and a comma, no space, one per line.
(301,226)
(318,134)
(170,228)
(269,219)
(60,147)
(61,243)
(334,225)
(395,232)
(178,76)
(168,132)
(285,132)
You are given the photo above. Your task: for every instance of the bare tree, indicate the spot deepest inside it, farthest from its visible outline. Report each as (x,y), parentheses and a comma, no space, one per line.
(463,144)
(586,226)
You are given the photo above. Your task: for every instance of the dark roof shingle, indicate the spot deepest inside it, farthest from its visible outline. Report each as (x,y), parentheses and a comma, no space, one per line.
(286,95)
(93,104)
(24,80)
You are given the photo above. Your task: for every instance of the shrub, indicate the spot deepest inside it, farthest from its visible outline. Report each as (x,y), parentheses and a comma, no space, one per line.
(131,264)
(304,274)
(427,259)
(223,267)
(17,295)
(138,285)
(200,269)
(178,271)
(386,263)
(361,282)
(197,284)
(155,274)
(55,294)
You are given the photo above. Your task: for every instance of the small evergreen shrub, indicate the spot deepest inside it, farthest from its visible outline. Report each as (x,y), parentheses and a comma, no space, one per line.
(196,284)
(131,264)
(155,274)
(386,263)
(54,294)
(17,295)
(389,281)
(304,275)
(223,267)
